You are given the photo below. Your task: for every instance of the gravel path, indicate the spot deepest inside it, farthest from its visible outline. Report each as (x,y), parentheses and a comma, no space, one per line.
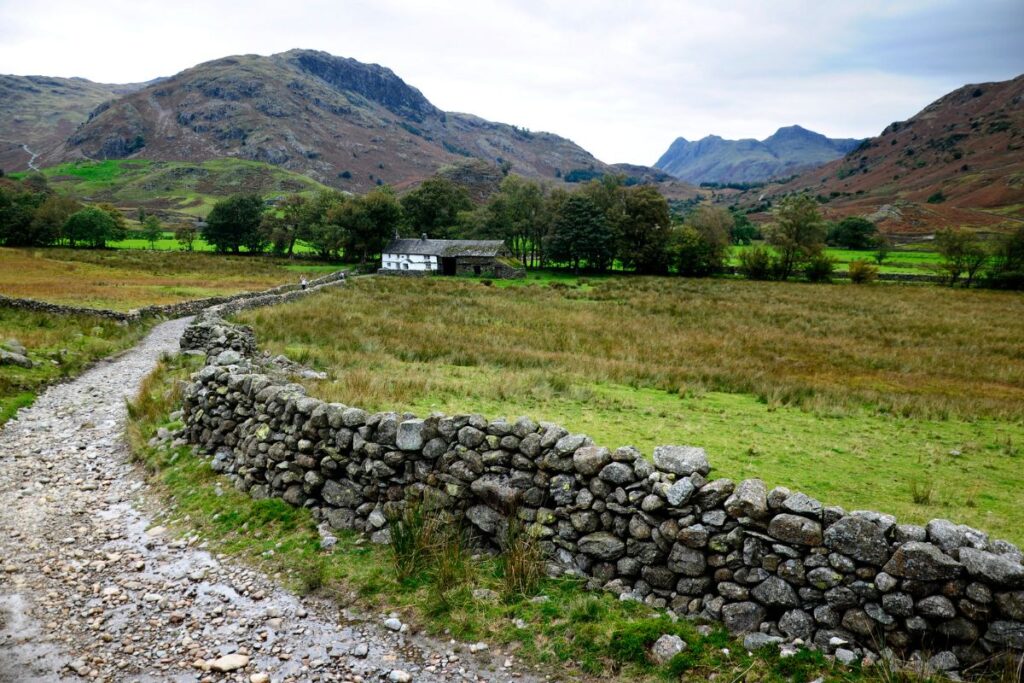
(90,589)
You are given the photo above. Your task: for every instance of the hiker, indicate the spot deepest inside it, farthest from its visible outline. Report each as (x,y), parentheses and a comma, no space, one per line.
(303,282)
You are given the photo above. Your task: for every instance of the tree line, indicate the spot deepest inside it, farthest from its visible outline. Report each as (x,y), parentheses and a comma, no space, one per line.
(33,215)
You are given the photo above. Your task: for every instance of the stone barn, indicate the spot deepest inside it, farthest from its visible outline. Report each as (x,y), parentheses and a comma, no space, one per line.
(486,258)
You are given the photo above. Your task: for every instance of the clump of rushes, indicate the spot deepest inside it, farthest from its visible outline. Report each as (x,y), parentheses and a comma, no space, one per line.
(521,561)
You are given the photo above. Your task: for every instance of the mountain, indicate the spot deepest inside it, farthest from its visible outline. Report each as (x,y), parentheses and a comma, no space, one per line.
(715,160)
(344,123)
(40,112)
(958,162)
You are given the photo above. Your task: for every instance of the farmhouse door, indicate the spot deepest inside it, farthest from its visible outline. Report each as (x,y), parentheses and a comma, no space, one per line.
(447,265)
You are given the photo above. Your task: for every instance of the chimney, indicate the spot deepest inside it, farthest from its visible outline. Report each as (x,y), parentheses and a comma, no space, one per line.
(423,237)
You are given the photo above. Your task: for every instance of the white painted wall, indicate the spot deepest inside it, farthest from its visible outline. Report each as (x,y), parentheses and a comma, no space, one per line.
(409,262)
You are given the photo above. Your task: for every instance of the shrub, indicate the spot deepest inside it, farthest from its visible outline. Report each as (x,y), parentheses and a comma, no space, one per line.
(819,268)
(936,198)
(921,491)
(411,540)
(756,264)
(862,272)
(853,232)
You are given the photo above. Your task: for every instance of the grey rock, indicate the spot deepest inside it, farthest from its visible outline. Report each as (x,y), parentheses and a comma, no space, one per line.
(858,538)
(774,592)
(410,435)
(845,656)
(750,499)
(802,504)
(1011,604)
(679,493)
(618,473)
(1002,570)
(666,647)
(601,545)
(21,360)
(687,561)
(922,562)
(1006,633)
(589,460)
(936,607)
(743,617)
(943,661)
(485,518)
(791,528)
(796,623)
(681,460)
(755,641)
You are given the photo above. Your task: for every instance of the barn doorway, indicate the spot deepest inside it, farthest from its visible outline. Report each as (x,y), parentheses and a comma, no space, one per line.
(448,265)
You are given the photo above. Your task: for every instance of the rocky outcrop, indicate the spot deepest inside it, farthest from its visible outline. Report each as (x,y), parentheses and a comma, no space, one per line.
(769,561)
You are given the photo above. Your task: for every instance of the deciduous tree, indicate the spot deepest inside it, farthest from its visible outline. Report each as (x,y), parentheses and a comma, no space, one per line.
(235,222)
(797,233)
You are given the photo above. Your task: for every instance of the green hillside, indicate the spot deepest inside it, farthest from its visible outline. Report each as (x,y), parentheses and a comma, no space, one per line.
(173,188)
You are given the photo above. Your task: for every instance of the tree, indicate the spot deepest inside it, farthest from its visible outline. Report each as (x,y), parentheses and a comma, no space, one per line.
(882,248)
(120,230)
(316,228)
(284,227)
(236,222)
(1007,271)
(152,230)
(743,230)
(49,218)
(853,232)
(642,241)
(92,226)
(798,232)
(962,254)
(700,247)
(369,221)
(433,207)
(518,214)
(18,205)
(186,234)
(580,234)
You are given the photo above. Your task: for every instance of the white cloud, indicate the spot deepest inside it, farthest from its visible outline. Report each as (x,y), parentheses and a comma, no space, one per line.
(621,79)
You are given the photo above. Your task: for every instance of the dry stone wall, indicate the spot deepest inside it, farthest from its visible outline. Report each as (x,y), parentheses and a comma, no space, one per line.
(772,562)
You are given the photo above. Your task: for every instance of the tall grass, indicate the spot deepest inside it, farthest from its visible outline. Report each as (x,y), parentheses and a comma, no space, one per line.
(906,351)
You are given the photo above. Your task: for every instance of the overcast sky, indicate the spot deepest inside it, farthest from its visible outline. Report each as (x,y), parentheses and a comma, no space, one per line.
(623,79)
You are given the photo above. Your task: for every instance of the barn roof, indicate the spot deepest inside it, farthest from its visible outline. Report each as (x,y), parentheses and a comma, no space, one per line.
(427,247)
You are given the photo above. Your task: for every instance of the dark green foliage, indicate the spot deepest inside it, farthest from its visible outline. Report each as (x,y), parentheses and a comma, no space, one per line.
(642,239)
(433,208)
(963,255)
(92,227)
(152,230)
(819,268)
(852,232)
(580,235)
(936,198)
(18,204)
(743,229)
(1007,271)
(581,175)
(700,247)
(236,222)
(757,264)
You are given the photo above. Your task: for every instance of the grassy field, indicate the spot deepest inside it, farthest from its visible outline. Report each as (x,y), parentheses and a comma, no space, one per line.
(168,243)
(572,635)
(908,400)
(177,187)
(918,260)
(122,280)
(60,346)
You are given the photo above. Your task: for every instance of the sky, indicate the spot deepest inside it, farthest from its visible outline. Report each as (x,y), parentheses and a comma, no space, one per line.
(623,79)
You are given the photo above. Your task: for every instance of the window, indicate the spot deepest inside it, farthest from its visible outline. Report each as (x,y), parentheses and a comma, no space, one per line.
(405,266)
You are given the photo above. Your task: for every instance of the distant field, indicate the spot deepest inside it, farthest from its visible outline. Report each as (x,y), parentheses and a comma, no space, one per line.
(857,395)
(177,187)
(122,280)
(908,261)
(169,243)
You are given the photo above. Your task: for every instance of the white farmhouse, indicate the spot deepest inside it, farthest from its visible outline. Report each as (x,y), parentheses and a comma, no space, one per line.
(448,257)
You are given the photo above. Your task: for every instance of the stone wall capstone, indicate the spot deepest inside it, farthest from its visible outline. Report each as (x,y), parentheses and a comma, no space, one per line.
(769,561)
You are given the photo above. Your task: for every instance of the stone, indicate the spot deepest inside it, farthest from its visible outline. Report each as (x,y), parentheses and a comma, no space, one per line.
(686,561)
(399,676)
(936,607)
(588,460)
(859,538)
(666,647)
(679,493)
(485,518)
(681,460)
(845,656)
(774,592)
(755,641)
(1011,605)
(618,473)
(410,435)
(885,583)
(899,604)
(750,499)
(1002,570)
(791,528)
(601,545)
(1006,633)
(943,661)
(743,617)
(796,623)
(922,562)
(229,663)
(802,504)
(259,678)
(13,358)
(228,357)
(393,624)
(568,444)
(824,578)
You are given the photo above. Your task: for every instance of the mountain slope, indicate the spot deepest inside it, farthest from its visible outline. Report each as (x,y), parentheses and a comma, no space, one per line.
(960,161)
(40,112)
(715,160)
(342,122)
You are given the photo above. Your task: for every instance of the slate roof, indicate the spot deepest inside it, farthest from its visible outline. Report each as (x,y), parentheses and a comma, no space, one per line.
(422,247)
